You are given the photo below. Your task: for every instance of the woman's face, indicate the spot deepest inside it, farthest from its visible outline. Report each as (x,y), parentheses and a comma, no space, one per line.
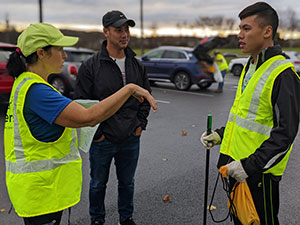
(55,59)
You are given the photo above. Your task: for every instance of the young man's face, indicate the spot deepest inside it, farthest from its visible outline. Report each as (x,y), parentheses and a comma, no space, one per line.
(253,37)
(118,37)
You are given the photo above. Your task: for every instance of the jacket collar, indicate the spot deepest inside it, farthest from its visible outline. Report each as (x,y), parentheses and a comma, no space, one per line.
(266,54)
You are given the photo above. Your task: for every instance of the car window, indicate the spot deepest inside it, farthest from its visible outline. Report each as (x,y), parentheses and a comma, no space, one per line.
(168,54)
(4,56)
(155,54)
(77,56)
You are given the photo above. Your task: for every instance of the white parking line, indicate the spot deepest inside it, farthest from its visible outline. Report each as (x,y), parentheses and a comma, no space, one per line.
(183,92)
(161,101)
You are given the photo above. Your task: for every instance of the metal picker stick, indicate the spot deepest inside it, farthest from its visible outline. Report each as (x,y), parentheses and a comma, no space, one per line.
(208,131)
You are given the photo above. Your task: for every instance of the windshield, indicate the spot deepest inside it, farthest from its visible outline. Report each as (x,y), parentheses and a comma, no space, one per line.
(4,56)
(78,56)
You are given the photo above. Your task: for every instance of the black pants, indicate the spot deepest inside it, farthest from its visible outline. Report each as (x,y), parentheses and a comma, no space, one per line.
(265,193)
(47,219)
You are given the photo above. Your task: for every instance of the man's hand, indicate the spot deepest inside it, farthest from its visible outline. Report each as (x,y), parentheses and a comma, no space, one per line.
(210,140)
(138,131)
(236,170)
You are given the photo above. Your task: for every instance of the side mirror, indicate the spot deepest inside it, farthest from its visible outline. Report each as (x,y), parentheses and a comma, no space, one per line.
(145,58)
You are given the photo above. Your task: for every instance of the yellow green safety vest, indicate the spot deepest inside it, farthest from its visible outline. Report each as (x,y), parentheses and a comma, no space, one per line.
(41,177)
(222,65)
(251,117)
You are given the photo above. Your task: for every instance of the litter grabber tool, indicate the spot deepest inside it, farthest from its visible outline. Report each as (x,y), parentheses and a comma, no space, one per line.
(208,131)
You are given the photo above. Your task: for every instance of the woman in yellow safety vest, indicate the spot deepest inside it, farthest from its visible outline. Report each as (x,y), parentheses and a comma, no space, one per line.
(43,165)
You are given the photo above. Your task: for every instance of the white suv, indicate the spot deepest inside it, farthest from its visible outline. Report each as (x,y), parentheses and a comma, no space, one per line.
(236,65)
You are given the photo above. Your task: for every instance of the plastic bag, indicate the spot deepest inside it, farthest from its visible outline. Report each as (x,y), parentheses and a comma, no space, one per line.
(242,201)
(217,74)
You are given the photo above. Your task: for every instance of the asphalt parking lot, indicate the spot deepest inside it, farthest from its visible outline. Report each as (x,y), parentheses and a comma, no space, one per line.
(172,161)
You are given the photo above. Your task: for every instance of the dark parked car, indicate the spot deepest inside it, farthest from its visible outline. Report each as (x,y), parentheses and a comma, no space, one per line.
(6,81)
(178,65)
(65,81)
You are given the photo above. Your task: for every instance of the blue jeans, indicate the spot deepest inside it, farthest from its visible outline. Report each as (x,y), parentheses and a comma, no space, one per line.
(126,157)
(221,84)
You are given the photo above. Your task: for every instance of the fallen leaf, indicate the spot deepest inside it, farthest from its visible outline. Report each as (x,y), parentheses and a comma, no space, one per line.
(183,133)
(164,159)
(167,199)
(2,210)
(212,207)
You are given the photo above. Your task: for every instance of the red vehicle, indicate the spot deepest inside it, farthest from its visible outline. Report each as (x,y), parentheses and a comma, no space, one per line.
(6,81)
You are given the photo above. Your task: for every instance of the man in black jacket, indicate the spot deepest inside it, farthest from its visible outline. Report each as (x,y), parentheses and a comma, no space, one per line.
(119,136)
(263,121)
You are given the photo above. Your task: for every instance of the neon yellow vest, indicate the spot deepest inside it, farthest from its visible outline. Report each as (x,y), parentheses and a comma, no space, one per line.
(41,177)
(251,116)
(222,65)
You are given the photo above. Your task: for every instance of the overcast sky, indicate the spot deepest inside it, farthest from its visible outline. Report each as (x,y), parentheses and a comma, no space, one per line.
(160,13)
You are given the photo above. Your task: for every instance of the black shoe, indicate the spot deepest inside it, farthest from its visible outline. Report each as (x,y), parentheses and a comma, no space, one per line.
(96,223)
(128,222)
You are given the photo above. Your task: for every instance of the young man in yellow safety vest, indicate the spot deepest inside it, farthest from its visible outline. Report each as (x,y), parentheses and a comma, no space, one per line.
(263,121)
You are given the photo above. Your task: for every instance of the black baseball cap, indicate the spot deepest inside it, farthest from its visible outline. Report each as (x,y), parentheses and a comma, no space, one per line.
(116,18)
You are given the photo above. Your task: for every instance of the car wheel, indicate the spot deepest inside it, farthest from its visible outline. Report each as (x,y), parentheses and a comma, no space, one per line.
(182,81)
(204,85)
(237,70)
(59,85)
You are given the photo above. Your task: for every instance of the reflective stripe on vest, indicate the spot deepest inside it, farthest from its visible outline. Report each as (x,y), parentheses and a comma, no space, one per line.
(250,122)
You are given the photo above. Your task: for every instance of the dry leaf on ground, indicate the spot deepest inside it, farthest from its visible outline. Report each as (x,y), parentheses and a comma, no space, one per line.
(183,133)
(167,199)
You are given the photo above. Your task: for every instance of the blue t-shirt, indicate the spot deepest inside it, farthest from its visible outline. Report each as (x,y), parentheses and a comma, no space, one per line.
(42,106)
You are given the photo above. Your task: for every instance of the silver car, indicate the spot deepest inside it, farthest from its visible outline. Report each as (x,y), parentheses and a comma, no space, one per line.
(65,81)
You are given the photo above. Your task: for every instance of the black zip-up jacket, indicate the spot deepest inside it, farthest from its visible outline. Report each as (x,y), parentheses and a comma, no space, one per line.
(99,77)
(286,104)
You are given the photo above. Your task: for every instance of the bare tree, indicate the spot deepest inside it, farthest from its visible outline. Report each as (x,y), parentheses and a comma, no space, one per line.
(292,19)
(217,21)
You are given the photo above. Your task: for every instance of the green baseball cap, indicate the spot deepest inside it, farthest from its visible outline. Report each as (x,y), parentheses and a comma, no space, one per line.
(40,35)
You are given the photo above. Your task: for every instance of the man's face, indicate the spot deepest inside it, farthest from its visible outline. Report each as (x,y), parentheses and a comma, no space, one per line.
(117,37)
(253,37)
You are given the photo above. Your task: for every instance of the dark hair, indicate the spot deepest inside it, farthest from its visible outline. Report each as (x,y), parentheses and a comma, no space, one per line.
(265,12)
(17,62)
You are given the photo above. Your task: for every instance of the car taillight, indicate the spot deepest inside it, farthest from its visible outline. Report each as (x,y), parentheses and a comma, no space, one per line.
(2,66)
(296,62)
(73,70)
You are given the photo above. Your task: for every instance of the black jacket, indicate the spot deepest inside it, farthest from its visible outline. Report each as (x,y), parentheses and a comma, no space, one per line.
(286,105)
(99,77)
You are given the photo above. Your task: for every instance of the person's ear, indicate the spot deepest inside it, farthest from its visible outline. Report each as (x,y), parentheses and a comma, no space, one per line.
(41,53)
(105,31)
(268,32)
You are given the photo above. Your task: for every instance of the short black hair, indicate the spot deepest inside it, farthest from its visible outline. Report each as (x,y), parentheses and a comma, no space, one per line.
(265,12)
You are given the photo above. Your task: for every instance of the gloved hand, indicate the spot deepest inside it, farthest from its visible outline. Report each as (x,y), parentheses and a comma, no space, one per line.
(210,140)
(236,170)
